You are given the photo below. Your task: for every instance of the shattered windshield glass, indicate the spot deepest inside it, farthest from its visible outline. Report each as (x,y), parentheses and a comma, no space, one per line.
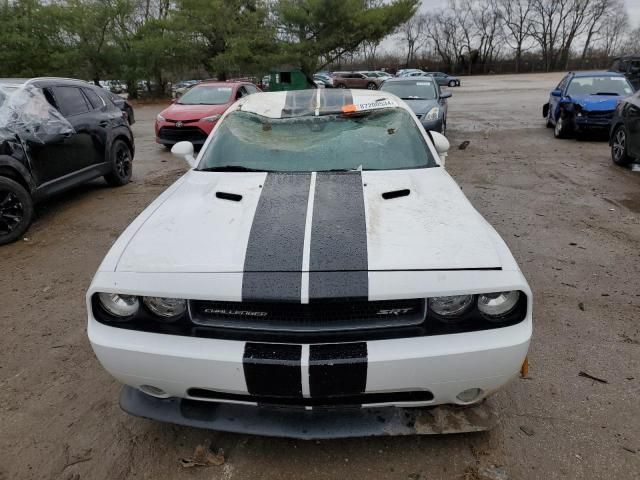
(25,112)
(386,139)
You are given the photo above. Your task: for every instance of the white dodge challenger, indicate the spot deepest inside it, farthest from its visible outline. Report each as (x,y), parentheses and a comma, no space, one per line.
(317,273)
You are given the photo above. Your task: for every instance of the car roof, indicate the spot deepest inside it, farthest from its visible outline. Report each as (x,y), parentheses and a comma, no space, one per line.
(597,74)
(409,79)
(221,83)
(39,80)
(302,102)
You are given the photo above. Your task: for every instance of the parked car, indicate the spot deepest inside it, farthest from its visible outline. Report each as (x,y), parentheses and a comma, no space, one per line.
(181,87)
(585,101)
(406,71)
(630,67)
(625,131)
(425,99)
(56,133)
(193,116)
(324,78)
(355,80)
(317,255)
(376,74)
(445,79)
(117,87)
(123,105)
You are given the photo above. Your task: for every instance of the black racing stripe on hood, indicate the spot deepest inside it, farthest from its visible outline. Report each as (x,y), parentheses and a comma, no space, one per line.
(273,260)
(338,261)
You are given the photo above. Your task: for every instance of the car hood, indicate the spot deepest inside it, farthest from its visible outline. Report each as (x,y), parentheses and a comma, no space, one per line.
(434,227)
(192,112)
(421,107)
(597,102)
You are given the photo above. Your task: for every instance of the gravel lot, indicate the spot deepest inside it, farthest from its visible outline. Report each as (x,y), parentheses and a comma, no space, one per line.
(570,217)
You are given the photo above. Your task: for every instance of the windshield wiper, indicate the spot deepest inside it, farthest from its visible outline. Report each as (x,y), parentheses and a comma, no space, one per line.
(232,168)
(613,94)
(412,98)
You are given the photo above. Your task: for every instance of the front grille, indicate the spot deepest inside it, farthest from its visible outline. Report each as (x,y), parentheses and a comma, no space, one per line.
(604,115)
(323,401)
(321,316)
(183,134)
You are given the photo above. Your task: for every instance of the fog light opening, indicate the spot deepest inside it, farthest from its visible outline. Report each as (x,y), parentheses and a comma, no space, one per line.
(470,395)
(153,391)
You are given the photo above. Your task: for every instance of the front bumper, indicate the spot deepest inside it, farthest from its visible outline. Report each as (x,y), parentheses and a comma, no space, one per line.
(306,424)
(167,133)
(442,366)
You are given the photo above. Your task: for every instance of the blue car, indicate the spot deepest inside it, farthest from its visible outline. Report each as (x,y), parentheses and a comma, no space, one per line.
(585,101)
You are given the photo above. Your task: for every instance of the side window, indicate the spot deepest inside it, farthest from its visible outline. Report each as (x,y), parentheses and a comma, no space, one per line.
(49,96)
(95,101)
(240,93)
(635,66)
(70,101)
(250,89)
(285,77)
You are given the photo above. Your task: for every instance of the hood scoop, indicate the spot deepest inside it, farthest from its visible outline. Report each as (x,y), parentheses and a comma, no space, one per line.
(396,194)
(233,197)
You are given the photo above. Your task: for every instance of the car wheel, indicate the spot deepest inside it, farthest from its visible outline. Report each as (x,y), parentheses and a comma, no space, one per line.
(452,83)
(371,86)
(341,85)
(561,129)
(444,128)
(121,164)
(16,210)
(619,153)
(130,118)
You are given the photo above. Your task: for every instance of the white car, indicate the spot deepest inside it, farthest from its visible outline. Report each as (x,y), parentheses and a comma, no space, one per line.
(317,256)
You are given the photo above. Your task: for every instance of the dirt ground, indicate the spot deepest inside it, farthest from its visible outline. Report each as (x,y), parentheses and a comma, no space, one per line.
(571,218)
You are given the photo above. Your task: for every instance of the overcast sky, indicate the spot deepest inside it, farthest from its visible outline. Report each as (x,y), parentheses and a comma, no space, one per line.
(633,6)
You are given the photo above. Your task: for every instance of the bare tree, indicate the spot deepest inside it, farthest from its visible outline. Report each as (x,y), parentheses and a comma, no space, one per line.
(517,22)
(414,35)
(489,30)
(613,34)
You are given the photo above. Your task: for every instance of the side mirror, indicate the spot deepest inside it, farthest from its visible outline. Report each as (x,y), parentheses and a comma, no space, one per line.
(446,95)
(556,93)
(442,145)
(185,150)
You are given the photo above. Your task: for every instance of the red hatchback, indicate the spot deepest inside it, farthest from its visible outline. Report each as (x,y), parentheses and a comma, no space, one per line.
(192,117)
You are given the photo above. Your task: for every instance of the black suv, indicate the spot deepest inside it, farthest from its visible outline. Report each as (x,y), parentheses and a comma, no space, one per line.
(56,133)
(630,67)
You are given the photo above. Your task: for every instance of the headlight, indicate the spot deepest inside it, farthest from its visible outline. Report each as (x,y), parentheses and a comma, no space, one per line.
(494,306)
(118,305)
(165,308)
(160,118)
(452,306)
(433,114)
(212,118)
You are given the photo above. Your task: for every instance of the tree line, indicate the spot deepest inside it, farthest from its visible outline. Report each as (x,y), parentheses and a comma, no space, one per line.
(473,35)
(164,40)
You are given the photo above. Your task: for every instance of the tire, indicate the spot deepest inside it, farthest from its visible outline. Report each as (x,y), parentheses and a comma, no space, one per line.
(341,85)
(549,124)
(452,83)
(16,210)
(561,129)
(371,86)
(121,164)
(619,152)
